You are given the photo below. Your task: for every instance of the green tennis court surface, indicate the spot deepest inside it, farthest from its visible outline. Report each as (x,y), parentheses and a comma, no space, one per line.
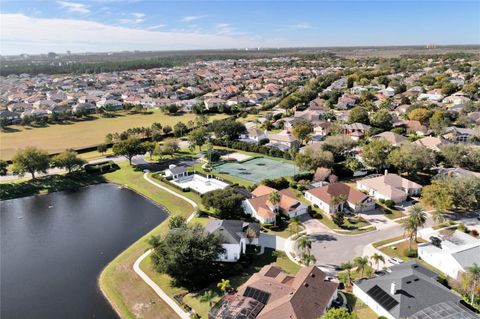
(257,169)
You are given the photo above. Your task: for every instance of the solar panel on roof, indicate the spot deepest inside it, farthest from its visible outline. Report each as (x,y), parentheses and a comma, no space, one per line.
(257,294)
(382,298)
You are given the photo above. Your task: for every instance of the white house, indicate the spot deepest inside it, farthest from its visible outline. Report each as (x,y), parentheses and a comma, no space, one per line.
(328,198)
(253,135)
(176,171)
(453,254)
(234,236)
(389,187)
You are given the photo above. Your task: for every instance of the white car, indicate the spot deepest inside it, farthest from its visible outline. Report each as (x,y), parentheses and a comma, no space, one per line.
(395,260)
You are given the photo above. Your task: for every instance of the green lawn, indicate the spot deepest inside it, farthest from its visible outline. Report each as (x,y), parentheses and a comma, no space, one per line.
(58,137)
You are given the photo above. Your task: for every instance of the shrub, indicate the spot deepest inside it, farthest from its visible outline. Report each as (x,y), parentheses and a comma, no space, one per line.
(474,233)
(382,201)
(411,253)
(307,176)
(278,183)
(390,203)
(462,228)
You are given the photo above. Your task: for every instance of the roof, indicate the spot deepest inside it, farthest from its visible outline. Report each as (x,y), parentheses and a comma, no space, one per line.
(415,289)
(262,190)
(177,170)
(444,310)
(431,142)
(392,138)
(391,185)
(231,231)
(325,193)
(304,296)
(262,205)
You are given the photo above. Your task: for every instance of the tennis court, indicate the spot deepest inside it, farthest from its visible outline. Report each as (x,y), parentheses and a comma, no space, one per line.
(257,169)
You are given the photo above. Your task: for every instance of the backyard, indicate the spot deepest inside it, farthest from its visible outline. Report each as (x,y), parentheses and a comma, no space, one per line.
(58,137)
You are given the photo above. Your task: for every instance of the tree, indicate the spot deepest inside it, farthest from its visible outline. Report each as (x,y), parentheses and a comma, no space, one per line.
(302,130)
(3,168)
(376,152)
(449,88)
(411,158)
(227,129)
(460,155)
(361,263)
(128,148)
(224,285)
(339,145)
(198,137)
(338,313)
(167,129)
(149,147)
(358,115)
(179,129)
(347,266)
(225,203)
(312,159)
(304,244)
(274,198)
(68,160)
(294,226)
(30,160)
(188,255)
(308,259)
(382,119)
(352,164)
(416,220)
(377,258)
(419,114)
(338,219)
(473,276)
(438,195)
(208,296)
(409,230)
(439,121)
(177,222)
(169,148)
(102,148)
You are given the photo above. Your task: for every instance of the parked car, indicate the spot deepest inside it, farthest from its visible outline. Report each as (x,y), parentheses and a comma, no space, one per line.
(395,260)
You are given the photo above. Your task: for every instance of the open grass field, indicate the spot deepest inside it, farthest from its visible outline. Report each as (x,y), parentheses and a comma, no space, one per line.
(58,137)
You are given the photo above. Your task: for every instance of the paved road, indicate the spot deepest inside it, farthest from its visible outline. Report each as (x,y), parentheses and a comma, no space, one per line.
(331,249)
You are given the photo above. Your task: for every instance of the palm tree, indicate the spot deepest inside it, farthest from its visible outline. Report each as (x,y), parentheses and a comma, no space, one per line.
(304,244)
(295,225)
(224,285)
(377,258)
(409,230)
(208,296)
(361,263)
(274,198)
(347,266)
(337,200)
(308,259)
(251,234)
(437,216)
(418,217)
(473,275)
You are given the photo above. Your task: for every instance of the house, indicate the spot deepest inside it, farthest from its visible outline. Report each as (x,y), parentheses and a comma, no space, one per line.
(410,291)
(283,141)
(253,135)
(389,187)
(176,172)
(110,104)
(235,236)
(261,208)
(272,294)
(458,134)
(453,253)
(455,172)
(214,103)
(86,107)
(10,117)
(392,138)
(320,130)
(356,131)
(338,197)
(316,104)
(431,142)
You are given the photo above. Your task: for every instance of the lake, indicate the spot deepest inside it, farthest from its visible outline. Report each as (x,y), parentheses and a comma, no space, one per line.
(53,248)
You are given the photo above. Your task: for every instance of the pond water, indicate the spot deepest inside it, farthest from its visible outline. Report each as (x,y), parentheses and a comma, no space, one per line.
(53,248)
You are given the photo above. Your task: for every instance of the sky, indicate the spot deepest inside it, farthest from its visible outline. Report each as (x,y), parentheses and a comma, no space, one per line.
(35,26)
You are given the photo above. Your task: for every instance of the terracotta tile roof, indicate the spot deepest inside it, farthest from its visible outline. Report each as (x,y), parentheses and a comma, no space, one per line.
(262,190)
(325,193)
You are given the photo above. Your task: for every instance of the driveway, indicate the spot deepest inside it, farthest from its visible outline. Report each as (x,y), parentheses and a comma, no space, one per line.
(377,218)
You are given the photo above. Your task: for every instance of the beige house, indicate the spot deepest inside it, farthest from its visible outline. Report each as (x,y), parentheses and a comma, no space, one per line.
(389,187)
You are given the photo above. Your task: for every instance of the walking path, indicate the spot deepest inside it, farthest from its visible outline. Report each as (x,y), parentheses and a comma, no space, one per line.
(136,266)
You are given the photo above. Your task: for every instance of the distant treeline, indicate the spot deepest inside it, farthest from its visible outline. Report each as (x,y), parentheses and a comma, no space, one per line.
(97,63)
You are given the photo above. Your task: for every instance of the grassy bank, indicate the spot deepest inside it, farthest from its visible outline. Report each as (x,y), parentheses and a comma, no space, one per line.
(57,137)
(128,294)
(48,184)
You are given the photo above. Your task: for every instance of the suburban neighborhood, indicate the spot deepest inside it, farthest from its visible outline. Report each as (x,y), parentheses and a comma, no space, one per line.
(295,186)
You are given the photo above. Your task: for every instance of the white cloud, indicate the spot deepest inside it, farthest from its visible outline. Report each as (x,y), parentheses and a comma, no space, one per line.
(158,26)
(24,34)
(137,18)
(74,7)
(192,18)
(138,15)
(300,26)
